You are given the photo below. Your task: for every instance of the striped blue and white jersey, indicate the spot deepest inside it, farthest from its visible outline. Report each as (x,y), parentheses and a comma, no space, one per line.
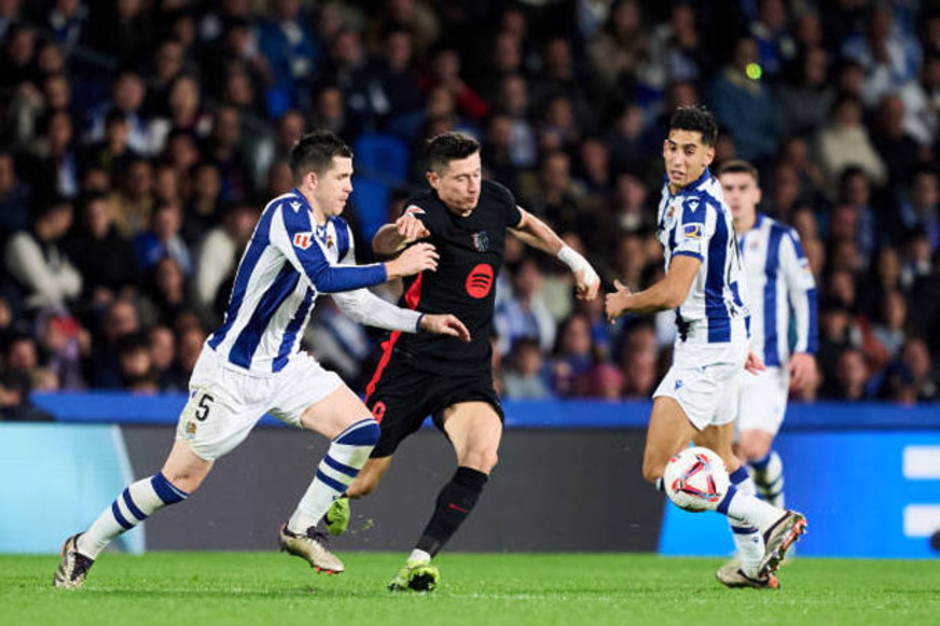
(779,281)
(696,222)
(288,262)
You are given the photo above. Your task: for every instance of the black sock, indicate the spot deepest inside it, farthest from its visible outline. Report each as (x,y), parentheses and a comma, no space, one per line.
(454,503)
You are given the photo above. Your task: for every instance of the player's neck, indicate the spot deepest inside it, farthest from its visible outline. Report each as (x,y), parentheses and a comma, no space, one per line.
(745,223)
(319,217)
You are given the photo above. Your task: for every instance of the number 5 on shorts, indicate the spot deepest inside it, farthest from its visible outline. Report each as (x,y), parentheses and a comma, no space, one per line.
(202,408)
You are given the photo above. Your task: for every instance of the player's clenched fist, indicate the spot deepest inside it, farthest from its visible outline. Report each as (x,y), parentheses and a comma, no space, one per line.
(411,229)
(615,304)
(414,260)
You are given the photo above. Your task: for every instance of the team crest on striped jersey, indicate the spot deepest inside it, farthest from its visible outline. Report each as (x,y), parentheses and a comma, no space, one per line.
(303,240)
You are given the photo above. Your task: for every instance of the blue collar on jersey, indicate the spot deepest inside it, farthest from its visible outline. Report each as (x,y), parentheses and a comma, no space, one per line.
(701,180)
(303,200)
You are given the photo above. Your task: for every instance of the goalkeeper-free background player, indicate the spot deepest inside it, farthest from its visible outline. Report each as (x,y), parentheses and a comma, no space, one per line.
(467,219)
(253,363)
(697,399)
(782,288)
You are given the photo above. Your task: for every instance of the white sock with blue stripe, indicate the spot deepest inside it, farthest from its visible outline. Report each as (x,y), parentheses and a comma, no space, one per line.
(346,456)
(137,502)
(768,477)
(747,539)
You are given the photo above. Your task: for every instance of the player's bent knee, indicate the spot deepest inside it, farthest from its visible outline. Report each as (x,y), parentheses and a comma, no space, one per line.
(482,461)
(754,447)
(185,481)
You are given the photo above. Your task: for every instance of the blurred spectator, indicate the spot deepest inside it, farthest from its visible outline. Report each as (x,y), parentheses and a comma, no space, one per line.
(775,44)
(889,57)
(290,49)
(851,376)
(744,106)
(102,255)
(527,377)
(103,368)
(14,198)
(219,252)
(616,52)
(169,291)
(38,263)
(113,153)
(845,142)
(891,331)
(163,240)
(137,372)
(638,361)
(897,148)
(444,71)
(68,21)
(573,358)
(806,99)
(524,314)
(53,165)
(127,99)
(920,207)
(676,53)
(134,201)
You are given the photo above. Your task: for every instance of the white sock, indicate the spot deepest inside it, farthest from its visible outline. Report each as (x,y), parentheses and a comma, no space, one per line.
(747,539)
(138,502)
(420,556)
(346,456)
(748,510)
(768,477)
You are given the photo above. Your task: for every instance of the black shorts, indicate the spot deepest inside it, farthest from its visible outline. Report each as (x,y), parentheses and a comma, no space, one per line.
(404,396)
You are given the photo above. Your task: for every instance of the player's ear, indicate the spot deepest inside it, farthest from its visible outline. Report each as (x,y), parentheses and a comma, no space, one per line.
(433,178)
(709,155)
(311,179)
(758,196)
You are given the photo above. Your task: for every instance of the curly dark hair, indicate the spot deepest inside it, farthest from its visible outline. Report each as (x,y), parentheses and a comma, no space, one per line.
(698,119)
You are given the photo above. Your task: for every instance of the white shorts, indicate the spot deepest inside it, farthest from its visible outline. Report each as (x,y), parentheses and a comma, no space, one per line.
(226,401)
(763,399)
(703,379)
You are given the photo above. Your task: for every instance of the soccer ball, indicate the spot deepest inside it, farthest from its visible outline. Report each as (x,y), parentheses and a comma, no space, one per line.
(696,479)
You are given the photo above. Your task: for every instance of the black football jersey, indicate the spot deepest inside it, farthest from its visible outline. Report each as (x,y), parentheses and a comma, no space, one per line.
(471,253)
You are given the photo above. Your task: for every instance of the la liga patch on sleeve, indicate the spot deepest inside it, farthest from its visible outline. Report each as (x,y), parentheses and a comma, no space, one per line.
(303,240)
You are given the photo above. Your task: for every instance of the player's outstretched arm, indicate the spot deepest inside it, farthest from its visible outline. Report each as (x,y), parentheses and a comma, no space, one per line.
(668,293)
(535,233)
(392,238)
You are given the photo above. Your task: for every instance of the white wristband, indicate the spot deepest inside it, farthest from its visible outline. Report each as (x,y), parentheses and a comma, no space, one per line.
(570,257)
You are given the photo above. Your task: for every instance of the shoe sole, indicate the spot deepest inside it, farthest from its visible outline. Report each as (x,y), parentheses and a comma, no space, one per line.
(773,585)
(319,570)
(422,582)
(797,530)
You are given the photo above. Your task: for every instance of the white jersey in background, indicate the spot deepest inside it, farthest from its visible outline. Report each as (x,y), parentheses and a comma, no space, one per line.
(779,281)
(696,222)
(288,262)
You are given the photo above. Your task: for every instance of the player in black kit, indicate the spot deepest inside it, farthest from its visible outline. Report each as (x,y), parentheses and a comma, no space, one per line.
(467,220)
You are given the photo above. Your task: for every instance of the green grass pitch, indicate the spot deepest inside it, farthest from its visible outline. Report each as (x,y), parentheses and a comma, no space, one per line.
(270,588)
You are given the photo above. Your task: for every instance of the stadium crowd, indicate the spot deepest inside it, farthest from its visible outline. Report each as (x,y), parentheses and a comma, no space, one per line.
(140,139)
